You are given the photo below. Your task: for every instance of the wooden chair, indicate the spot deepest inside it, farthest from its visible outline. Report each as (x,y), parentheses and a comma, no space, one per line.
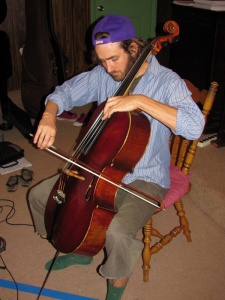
(182,155)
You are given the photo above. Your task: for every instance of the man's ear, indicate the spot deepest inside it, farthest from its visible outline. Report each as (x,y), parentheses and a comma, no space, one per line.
(133,49)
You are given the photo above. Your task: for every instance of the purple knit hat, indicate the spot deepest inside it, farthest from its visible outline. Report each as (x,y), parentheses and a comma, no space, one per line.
(120,29)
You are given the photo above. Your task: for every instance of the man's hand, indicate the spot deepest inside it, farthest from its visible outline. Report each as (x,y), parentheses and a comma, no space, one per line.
(119,104)
(46,132)
(160,111)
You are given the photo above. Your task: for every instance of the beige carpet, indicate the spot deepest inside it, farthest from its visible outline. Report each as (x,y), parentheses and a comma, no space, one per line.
(181,271)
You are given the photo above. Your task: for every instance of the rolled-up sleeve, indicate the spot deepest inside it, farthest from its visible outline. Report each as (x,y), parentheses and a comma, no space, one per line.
(77,91)
(190,121)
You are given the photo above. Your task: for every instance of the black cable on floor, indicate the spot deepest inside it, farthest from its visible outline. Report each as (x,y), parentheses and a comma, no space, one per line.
(10,204)
(11,213)
(5,268)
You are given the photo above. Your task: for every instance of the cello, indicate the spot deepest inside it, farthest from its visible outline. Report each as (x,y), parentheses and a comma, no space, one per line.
(81,205)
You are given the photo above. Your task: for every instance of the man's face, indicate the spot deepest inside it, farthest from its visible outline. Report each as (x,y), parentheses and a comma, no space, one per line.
(115,60)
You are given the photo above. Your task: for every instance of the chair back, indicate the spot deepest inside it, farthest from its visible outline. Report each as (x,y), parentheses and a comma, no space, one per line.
(183,150)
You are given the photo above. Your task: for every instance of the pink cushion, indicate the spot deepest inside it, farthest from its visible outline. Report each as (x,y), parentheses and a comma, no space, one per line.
(179,185)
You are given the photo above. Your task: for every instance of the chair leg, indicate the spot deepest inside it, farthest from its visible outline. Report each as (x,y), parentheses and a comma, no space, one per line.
(183,220)
(165,240)
(148,232)
(146,251)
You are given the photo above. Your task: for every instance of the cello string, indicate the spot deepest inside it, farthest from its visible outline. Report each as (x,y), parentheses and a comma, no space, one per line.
(131,74)
(54,151)
(98,124)
(97,127)
(86,143)
(92,131)
(173,30)
(92,136)
(83,144)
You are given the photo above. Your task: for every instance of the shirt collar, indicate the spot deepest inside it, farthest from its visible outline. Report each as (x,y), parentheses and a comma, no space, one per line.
(154,67)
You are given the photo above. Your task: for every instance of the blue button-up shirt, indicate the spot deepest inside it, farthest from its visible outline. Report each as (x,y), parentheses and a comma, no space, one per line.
(158,83)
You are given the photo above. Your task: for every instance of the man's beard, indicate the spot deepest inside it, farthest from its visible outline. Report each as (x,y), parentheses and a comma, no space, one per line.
(119,76)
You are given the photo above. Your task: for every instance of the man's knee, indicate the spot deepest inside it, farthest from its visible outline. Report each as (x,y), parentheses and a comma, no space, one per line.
(117,233)
(40,193)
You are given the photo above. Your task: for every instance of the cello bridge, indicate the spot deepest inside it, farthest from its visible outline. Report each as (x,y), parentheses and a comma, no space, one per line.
(73,173)
(60,197)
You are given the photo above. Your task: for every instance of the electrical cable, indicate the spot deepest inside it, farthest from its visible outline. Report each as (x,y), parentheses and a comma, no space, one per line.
(9,204)
(11,213)
(5,268)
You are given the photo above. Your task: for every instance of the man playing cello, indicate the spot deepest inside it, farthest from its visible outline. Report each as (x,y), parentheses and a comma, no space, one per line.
(165,100)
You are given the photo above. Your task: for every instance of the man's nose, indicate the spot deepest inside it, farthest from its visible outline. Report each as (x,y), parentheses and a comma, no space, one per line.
(109,66)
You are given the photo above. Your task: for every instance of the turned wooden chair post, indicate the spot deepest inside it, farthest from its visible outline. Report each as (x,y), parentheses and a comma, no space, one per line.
(182,155)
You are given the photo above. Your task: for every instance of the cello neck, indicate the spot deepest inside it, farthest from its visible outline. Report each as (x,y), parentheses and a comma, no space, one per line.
(128,80)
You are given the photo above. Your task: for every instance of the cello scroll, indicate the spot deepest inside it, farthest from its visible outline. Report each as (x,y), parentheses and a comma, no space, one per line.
(173,29)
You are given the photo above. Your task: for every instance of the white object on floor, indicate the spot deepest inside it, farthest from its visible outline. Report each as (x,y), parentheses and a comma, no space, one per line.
(22,163)
(207,140)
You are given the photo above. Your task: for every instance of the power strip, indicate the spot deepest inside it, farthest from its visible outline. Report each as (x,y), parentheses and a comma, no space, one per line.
(206,141)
